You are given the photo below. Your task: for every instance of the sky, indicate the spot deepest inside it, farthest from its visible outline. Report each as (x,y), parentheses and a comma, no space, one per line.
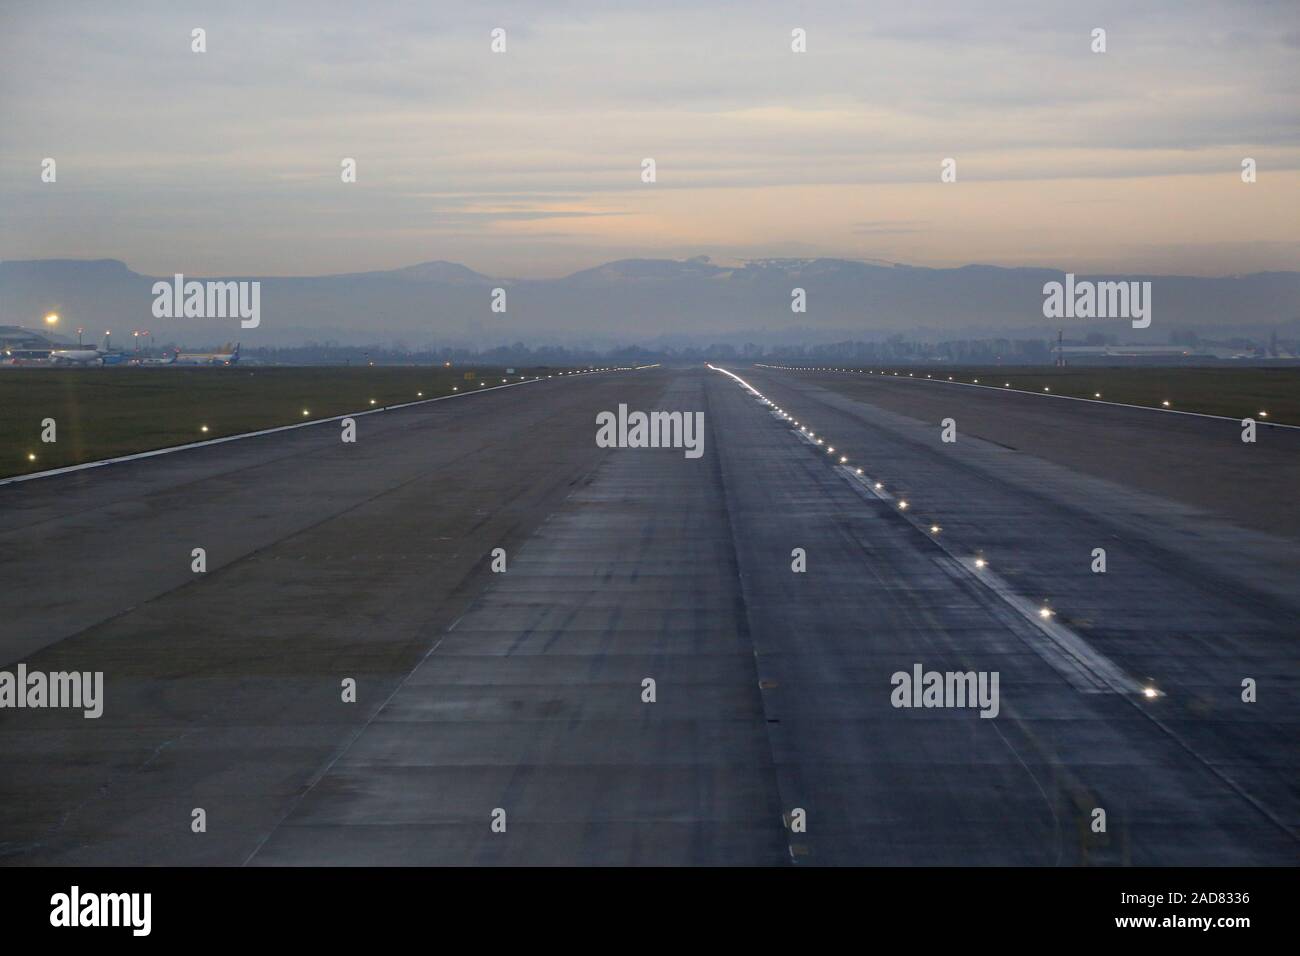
(528,163)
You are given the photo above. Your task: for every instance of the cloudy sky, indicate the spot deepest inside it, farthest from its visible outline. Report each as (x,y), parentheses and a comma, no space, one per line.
(528,163)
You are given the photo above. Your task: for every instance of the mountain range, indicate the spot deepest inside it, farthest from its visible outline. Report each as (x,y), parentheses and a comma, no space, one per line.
(649,302)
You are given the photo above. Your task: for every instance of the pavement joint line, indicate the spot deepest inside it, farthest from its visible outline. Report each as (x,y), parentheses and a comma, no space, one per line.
(1068,653)
(322,772)
(67,469)
(1024,391)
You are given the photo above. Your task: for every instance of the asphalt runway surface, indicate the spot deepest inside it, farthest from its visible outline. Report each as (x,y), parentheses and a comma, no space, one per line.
(502,718)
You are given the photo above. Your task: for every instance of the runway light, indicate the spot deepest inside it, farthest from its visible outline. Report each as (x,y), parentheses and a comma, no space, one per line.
(935,529)
(1263,414)
(859,471)
(305,413)
(1006,384)
(31,456)
(1096,394)
(1046,389)
(1165,403)
(419,394)
(980,563)
(843,460)
(821,441)
(1150,692)
(1044,612)
(878,486)
(372,401)
(455,388)
(977,381)
(902,506)
(204,428)
(830,451)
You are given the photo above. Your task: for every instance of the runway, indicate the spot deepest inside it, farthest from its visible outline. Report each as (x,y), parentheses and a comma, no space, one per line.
(503,717)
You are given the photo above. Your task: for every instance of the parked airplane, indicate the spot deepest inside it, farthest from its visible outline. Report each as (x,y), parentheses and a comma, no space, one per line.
(158,361)
(87,356)
(223,356)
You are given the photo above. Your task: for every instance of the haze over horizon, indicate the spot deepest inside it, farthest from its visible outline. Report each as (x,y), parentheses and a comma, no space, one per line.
(527,163)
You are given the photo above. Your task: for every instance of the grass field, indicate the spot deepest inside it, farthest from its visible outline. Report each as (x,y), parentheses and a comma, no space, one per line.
(101,413)
(1233,392)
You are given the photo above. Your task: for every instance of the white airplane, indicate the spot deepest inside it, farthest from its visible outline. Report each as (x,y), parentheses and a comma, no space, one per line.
(86,356)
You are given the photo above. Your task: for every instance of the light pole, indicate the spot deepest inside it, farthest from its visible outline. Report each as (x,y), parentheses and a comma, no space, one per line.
(80,329)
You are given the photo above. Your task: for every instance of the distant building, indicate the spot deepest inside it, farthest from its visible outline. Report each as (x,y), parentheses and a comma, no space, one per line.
(17,337)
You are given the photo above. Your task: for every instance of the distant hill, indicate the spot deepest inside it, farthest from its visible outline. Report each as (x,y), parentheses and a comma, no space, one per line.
(653,302)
